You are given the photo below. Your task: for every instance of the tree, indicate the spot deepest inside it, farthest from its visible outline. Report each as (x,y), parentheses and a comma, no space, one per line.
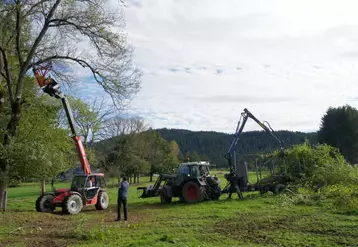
(65,33)
(41,149)
(339,128)
(119,125)
(89,118)
(140,153)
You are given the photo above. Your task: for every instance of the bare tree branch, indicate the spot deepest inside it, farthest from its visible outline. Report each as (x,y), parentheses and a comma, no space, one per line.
(7,75)
(119,125)
(34,6)
(18,32)
(24,66)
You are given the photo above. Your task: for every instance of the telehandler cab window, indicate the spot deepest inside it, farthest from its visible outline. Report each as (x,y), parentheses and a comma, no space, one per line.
(78,182)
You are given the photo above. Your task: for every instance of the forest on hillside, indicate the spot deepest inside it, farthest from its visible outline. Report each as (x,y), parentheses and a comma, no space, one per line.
(212,146)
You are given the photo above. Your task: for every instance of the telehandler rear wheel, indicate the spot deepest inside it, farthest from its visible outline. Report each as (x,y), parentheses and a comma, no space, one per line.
(44,203)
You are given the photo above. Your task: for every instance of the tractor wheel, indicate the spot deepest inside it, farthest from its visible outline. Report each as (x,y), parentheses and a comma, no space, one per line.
(102,200)
(44,203)
(72,204)
(192,193)
(279,188)
(164,198)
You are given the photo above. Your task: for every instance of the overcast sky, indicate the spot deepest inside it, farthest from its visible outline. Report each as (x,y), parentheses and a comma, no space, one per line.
(204,61)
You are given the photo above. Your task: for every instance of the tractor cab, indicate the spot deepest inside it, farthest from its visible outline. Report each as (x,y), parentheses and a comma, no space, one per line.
(88,185)
(190,170)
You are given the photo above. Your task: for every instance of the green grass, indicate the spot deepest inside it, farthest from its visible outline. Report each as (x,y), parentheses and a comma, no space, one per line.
(256,221)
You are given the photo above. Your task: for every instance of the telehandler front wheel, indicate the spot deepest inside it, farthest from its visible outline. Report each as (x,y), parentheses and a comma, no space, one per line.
(102,200)
(72,204)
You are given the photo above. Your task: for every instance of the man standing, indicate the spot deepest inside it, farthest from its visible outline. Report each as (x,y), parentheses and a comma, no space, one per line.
(234,187)
(122,198)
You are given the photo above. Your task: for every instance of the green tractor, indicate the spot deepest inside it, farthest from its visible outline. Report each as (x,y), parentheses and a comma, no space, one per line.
(192,183)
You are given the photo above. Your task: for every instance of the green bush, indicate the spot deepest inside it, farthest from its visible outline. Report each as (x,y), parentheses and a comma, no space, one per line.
(343,196)
(316,166)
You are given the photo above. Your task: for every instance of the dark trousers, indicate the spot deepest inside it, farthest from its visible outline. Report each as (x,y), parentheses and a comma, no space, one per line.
(121,201)
(234,187)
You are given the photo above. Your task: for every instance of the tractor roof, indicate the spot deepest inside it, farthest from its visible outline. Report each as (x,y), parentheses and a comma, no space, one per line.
(92,174)
(195,163)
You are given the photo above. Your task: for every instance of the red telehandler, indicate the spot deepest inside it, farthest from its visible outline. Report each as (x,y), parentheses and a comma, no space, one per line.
(87,188)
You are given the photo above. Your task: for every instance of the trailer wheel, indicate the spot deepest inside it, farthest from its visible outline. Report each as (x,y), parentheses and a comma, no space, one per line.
(72,204)
(279,188)
(215,195)
(192,193)
(102,200)
(164,198)
(44,203)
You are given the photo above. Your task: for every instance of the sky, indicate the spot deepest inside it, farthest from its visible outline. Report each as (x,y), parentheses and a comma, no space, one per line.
(204,61)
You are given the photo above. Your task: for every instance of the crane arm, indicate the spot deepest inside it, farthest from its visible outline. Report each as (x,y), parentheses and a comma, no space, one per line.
(52,88)
(245,115)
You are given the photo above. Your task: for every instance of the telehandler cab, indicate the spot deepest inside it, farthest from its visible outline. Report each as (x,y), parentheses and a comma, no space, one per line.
(87,188)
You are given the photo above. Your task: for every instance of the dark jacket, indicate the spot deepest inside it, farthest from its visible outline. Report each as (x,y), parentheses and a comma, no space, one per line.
(123,190)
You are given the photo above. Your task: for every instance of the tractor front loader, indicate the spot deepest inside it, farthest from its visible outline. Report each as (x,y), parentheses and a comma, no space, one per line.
(87,188)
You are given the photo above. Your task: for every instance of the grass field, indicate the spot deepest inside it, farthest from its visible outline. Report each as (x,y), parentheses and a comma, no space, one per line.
(256,221)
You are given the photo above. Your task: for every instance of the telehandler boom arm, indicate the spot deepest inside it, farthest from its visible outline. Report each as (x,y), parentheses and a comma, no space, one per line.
(51,87)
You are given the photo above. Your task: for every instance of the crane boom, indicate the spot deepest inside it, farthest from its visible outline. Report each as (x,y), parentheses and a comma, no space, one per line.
(51,87)
(245,115)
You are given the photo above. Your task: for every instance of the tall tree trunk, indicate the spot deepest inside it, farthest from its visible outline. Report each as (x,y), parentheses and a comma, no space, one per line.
(138,175)
(12,128)
(2,91)
(43,186)
(2,99)
(3,196)
(151,177)
(4,181)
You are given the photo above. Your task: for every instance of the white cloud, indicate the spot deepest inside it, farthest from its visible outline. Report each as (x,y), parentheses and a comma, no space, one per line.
(205,61)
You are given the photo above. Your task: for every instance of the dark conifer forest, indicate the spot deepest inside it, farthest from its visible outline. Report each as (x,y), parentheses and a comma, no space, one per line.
(212,146)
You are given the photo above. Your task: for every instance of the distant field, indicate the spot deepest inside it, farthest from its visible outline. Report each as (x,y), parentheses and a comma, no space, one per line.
(256,221)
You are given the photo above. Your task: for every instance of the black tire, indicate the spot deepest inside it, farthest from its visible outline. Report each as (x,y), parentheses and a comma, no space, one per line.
(192,192)
(44,203)
(279,188)
(102,200)
(215,195)
(164,198)
(73,204)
